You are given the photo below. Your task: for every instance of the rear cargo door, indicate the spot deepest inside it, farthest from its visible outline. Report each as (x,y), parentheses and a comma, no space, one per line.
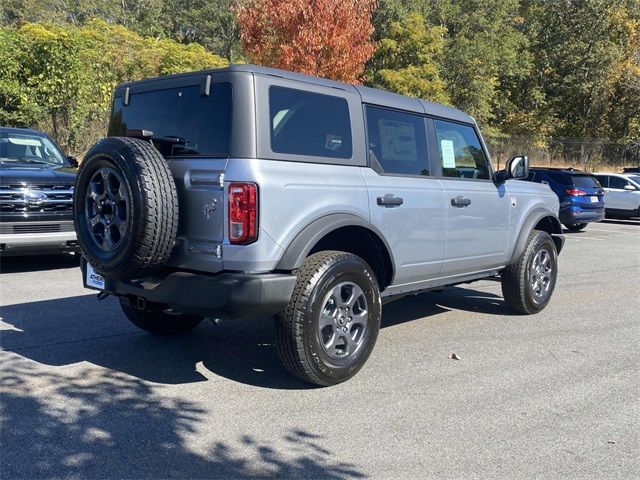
(188,119)
(200,185)
(593,197)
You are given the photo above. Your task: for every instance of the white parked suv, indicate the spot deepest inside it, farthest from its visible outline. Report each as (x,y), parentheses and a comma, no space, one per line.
(622,193)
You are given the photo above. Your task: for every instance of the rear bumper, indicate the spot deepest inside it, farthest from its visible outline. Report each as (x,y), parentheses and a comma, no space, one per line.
(223,295)
(571,216)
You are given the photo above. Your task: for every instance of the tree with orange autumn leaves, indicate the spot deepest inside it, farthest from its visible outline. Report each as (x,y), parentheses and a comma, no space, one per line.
(326,38)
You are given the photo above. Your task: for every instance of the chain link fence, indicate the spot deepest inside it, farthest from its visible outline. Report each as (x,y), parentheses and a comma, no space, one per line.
(589,154)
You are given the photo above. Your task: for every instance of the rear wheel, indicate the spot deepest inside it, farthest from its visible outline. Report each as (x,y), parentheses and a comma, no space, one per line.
(576,227)
(528,284)
(328,330)
(160,322)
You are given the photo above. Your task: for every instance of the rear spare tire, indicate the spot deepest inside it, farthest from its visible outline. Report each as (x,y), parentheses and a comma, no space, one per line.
(125,208)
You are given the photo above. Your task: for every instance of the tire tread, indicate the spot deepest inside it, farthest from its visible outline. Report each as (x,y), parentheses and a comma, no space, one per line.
(157,227)
(514,281)
(289,324)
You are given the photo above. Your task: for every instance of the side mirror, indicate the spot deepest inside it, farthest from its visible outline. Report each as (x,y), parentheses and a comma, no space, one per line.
(73,161)
(630,188)
(517,167)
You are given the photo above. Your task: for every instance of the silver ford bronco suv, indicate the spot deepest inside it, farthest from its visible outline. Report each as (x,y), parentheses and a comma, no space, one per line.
(253,192)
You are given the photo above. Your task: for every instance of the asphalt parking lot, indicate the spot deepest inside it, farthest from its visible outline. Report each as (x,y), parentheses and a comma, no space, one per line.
(557,395)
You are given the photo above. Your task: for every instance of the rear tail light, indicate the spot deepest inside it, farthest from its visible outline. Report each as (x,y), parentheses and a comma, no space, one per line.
(576,192)
(243,213)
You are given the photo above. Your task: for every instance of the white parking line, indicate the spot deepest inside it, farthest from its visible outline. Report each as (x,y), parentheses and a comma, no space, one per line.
(581,237)
(624,226)
(620,231)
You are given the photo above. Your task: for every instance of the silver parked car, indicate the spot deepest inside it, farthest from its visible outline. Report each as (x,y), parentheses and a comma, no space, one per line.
(622,193)
(252,192)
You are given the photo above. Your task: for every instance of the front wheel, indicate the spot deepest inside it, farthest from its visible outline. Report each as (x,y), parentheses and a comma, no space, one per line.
(160,322)
(328,330)
(576,227)
(528,284)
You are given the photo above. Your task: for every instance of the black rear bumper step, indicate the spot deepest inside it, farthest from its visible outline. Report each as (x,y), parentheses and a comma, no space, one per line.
(223,295)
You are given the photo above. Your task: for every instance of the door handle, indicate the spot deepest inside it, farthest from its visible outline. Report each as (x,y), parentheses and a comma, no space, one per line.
(460,201)
(389,200)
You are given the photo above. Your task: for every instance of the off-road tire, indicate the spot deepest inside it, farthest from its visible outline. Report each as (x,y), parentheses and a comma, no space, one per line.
(576,227)
(297,342)
(152,208)
(160,322)
(516,285)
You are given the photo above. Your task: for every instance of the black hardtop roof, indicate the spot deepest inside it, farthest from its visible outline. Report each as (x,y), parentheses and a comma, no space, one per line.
(368,95)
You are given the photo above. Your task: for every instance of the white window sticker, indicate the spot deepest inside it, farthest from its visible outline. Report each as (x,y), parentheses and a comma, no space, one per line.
(94,280)
(333,142)
(448,154)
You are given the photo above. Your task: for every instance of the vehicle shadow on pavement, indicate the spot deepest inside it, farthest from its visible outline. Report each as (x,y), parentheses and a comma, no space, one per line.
(105,424)
(432,303)
(36,263)
(82,329)
(77,329)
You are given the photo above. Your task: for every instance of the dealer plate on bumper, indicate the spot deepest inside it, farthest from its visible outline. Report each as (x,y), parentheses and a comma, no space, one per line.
(93,279)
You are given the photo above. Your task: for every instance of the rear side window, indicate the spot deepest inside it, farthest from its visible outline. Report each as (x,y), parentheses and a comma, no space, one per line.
(460,151)
(202,123)
(397,142)
(306,123)
(603,179)
(618,182)
(588,181)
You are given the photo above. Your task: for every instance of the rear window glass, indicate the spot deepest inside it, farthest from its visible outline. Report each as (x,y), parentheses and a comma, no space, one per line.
(585,181)
(559,177)
(202,123)
(305,123)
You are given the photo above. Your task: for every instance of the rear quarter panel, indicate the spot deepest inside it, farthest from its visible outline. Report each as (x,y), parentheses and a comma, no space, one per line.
(291,196)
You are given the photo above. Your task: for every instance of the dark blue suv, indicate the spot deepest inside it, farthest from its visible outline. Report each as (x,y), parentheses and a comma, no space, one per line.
(581,196)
